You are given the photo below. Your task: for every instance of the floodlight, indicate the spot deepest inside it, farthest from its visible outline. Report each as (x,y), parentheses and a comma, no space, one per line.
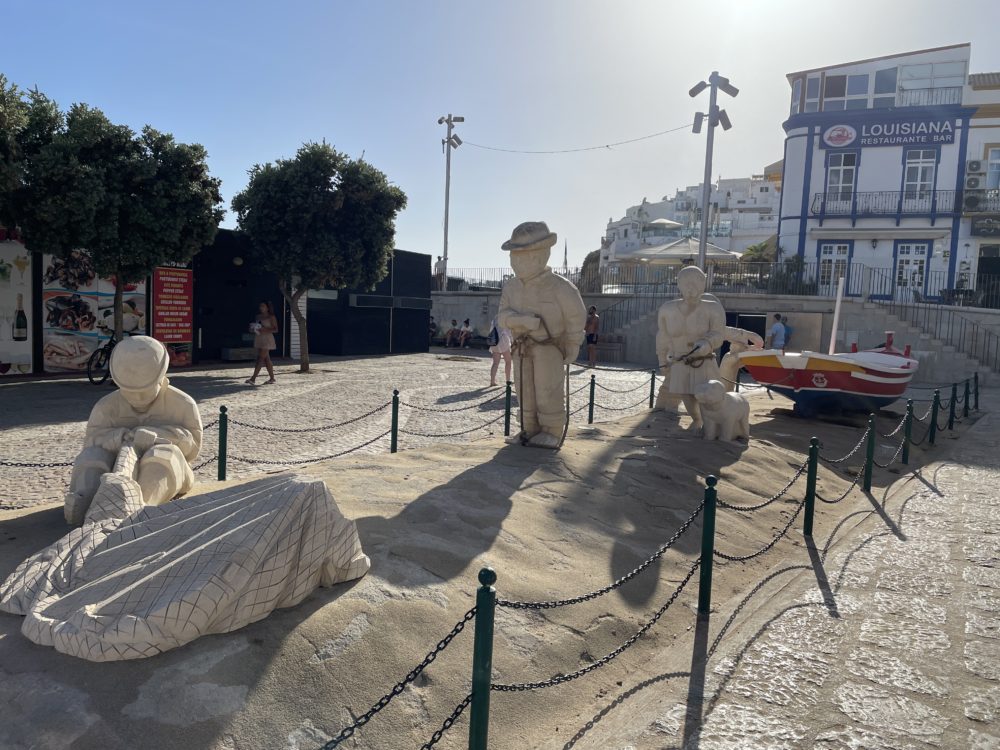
(698,117)
(462,119)
(697,89)
(455,141)
(441,121)
(726,86)
(724,120)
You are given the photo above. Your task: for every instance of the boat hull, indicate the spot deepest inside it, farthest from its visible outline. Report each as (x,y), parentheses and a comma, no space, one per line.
(862,381)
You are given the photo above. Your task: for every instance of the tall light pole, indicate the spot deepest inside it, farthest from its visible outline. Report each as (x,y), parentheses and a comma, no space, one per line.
(715,116)
(451,141)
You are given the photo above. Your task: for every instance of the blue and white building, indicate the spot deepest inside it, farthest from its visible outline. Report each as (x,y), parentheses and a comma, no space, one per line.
(892,174)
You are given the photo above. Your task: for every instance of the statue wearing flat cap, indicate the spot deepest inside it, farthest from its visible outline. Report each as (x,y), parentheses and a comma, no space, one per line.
(147,415)
(545,314)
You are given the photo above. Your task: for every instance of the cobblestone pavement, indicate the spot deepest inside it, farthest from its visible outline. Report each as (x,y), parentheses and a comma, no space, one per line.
(444,395)
(893,643)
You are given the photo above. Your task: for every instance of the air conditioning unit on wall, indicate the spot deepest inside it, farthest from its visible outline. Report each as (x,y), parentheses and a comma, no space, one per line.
(974,182)
(974,166)
(973,200)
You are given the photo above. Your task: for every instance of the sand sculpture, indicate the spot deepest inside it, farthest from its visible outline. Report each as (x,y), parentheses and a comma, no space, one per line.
(146,414)
(739,341)
(545,314)
(726,415)
(143,575)
(690,330)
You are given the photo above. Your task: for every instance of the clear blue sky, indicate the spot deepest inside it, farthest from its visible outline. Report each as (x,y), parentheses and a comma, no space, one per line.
(252,80)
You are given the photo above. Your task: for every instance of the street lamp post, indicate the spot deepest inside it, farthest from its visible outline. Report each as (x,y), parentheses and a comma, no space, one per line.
(715,116)
(451,141)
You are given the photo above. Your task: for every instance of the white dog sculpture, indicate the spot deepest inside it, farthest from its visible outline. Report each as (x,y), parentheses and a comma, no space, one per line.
(726,415)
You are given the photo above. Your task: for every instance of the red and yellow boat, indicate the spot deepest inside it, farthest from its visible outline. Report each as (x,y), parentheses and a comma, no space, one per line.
(856,381)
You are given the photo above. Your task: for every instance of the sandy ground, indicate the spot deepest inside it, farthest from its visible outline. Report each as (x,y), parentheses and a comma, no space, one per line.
(552,525)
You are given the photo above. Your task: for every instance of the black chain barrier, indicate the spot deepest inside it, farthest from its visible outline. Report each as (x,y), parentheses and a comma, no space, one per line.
(34,464)
(204,463)
(302,461)
(767,547)
(447,723)
(850,488)
(926,416)
(320,428)
(559,679)
(513,604)
(645,400)
(451,434)
(781,493)
(927,431)
(892,460)
(210,425)
(615,390)
(853,450)
(902,422)
(398,688)
(418,407)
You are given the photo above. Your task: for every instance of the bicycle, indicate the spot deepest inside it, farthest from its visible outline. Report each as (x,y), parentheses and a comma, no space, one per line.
(97,366)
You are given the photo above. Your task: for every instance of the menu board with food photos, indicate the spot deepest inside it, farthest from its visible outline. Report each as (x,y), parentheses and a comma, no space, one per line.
(78,311)
(15,307)
(173,314)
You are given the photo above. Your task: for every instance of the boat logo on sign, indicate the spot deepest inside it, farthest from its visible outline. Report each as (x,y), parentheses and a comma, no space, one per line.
(840,135)
(819,380)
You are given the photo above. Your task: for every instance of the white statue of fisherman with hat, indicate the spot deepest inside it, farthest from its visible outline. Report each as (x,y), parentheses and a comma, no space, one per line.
(545,314)
(146,415)
(690,330)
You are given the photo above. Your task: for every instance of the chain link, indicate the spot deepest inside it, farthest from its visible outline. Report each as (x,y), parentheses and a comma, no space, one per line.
(210,425)
(611,586)
(398,688)
(767,547)
(892,460)
(302,461)
(857,478)
(452,434)
(853,450)
(205,463)
(615,390)
(894,432)
(352,420)
(645,400)
(921,441)
(927,414)
(447,723)
(476,405)
(34,465)
(559,679)
(773,498)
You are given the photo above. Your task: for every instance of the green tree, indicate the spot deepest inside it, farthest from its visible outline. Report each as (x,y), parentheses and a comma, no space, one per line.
(590,273)
(762,252)
(319,219)
(132,201)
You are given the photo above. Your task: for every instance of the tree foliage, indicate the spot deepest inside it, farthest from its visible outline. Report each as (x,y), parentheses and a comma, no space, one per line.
(319,219)
(762,252)
(78,181)
(590,273)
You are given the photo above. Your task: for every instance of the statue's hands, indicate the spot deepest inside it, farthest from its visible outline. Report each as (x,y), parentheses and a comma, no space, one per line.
(144,440)
(111,440)
(703,348)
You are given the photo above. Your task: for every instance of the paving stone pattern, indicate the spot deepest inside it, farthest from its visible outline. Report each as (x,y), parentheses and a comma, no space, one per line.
(901,651)
(44,421)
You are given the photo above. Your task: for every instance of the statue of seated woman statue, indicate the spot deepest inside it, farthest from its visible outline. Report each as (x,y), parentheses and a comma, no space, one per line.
(145,416)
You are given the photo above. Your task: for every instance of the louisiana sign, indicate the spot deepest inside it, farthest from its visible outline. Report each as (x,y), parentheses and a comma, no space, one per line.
(916,132)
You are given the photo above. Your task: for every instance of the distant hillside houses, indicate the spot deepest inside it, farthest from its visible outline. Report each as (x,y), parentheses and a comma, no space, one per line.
(743,211)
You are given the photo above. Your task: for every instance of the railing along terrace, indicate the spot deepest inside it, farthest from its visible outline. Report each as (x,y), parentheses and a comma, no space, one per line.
(886,202)
(929,97)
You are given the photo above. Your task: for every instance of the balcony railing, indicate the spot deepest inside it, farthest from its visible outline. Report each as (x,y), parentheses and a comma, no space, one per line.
(886,202)
(929,97)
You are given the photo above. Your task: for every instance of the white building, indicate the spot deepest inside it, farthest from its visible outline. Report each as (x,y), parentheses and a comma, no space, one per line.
(893,164)
(744,211)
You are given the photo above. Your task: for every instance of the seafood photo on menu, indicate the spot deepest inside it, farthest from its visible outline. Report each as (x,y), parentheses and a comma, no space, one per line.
(69,312)
(67,351)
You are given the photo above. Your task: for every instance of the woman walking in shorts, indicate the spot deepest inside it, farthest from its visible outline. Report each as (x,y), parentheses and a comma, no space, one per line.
(264,328)
(498,350)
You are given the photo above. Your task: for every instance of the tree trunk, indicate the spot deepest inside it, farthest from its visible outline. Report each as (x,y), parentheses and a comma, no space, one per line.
(119,301)
(293,300)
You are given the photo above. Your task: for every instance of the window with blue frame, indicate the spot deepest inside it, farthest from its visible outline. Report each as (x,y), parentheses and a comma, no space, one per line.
(812,94)
(796,95)
(841,172)
(884,91)
(846,92)
(993,169)
(911,262)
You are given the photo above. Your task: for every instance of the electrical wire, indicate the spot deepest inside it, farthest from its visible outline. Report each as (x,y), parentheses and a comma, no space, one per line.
(577,150)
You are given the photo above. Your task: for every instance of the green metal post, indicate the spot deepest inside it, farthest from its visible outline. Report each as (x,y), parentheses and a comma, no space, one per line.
(652,387)
(965,403)
(590,407)
(907,431)
(506,411)
(951,406)
(707,548)
(223,441)
(975,386)
(482,661)
(393,438)
(870,454)
(807,524)
(935,407)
